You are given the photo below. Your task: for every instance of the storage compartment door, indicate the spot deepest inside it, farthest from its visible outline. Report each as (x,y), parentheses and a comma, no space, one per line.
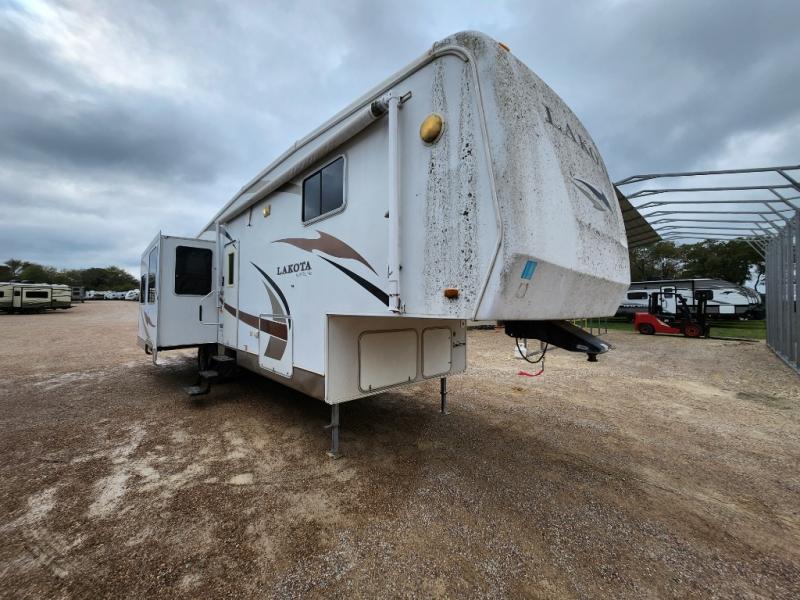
(275,344)
(386,358)
(437,351)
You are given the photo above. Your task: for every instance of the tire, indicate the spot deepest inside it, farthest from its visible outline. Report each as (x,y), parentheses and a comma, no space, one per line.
(692,330)
(647,329)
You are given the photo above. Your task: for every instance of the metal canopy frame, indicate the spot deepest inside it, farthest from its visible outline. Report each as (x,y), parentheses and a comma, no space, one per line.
(759,219)
(771,226)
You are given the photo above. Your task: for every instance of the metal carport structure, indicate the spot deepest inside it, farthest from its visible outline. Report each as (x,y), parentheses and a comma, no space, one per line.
(771,225)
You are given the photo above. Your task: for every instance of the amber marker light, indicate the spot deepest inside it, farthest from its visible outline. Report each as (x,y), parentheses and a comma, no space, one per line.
(504,47)
(451,293)
(431,129)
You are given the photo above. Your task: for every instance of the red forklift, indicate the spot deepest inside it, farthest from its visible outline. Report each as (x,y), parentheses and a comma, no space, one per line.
(681,320)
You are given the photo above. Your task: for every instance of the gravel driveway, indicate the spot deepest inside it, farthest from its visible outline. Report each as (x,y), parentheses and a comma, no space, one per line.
(668,469)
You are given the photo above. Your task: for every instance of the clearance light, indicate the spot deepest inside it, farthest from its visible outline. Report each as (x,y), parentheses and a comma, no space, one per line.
(451,293)
(431,129)
(504,47)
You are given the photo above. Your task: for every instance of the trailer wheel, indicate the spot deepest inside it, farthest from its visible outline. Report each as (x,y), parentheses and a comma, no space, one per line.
(692,330)
(646,329)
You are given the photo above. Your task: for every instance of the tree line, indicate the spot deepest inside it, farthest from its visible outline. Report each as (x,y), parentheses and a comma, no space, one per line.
(730,260)
(111,278)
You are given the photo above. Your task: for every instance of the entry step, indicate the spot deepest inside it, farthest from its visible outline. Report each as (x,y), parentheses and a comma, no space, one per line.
(222,358)
(209,374)
(196,390)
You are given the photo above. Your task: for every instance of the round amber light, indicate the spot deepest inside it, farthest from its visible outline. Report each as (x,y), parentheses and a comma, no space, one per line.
(431,129)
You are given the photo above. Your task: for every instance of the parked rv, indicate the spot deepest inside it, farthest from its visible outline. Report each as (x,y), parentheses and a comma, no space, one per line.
(78,294)
(28,297)
(729,301)
(460,188)
(132,295)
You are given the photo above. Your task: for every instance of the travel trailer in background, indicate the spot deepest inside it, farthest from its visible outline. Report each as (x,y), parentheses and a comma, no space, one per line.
(29,297)
(460,188)
(728,299)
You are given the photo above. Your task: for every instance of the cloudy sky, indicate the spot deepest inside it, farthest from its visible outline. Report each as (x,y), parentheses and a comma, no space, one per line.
(121,118)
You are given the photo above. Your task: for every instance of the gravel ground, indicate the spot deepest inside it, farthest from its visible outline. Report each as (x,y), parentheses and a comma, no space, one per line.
(668,469)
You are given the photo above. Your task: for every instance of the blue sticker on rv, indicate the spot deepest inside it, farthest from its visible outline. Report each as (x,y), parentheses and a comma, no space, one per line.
(530,267)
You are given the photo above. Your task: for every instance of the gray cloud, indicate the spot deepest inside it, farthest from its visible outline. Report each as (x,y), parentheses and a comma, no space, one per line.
(121,118)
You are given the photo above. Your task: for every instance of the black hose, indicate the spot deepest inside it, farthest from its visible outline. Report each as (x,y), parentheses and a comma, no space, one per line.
(524,355)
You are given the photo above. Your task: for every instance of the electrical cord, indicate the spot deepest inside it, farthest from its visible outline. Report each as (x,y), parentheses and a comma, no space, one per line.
(533,362)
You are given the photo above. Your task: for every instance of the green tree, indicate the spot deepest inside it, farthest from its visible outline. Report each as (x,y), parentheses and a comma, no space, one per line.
(13,267)
(662,260)
(38,273)
(108,278)
(97,278)
(730,260)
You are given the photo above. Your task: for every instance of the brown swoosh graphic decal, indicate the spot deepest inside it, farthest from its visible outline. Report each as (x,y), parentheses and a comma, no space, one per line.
(279,330)
(147,319)
(329,245)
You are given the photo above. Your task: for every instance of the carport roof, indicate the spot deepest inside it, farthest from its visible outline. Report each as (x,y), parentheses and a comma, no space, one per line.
(713,211)
(638,230)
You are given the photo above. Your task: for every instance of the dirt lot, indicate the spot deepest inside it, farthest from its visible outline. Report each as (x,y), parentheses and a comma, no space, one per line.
(668,469)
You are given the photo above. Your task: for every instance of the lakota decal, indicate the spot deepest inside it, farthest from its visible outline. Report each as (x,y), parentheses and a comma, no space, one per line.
(272,327)
(302,267)
(276,327)
(566,130)
(327,244)
(597,197)
(372,289)
(275,309)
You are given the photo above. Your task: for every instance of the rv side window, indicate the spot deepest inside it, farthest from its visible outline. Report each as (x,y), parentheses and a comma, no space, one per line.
(637,295)
(231,262)
(323,192)
(35,294)
(192,271)
(152,272)
(142,288)
(2,294)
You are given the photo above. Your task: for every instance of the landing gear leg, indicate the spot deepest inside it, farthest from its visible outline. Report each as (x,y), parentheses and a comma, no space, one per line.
(334,427)
(443,393)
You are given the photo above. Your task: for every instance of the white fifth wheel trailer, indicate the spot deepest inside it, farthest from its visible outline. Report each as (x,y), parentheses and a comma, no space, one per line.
(728,301)
(460,188)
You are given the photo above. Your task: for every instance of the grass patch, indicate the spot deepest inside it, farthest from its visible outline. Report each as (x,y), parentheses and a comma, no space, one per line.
(756,330)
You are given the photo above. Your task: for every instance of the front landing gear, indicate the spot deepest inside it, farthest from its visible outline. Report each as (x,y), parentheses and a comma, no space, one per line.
(334,427)
(334,424)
